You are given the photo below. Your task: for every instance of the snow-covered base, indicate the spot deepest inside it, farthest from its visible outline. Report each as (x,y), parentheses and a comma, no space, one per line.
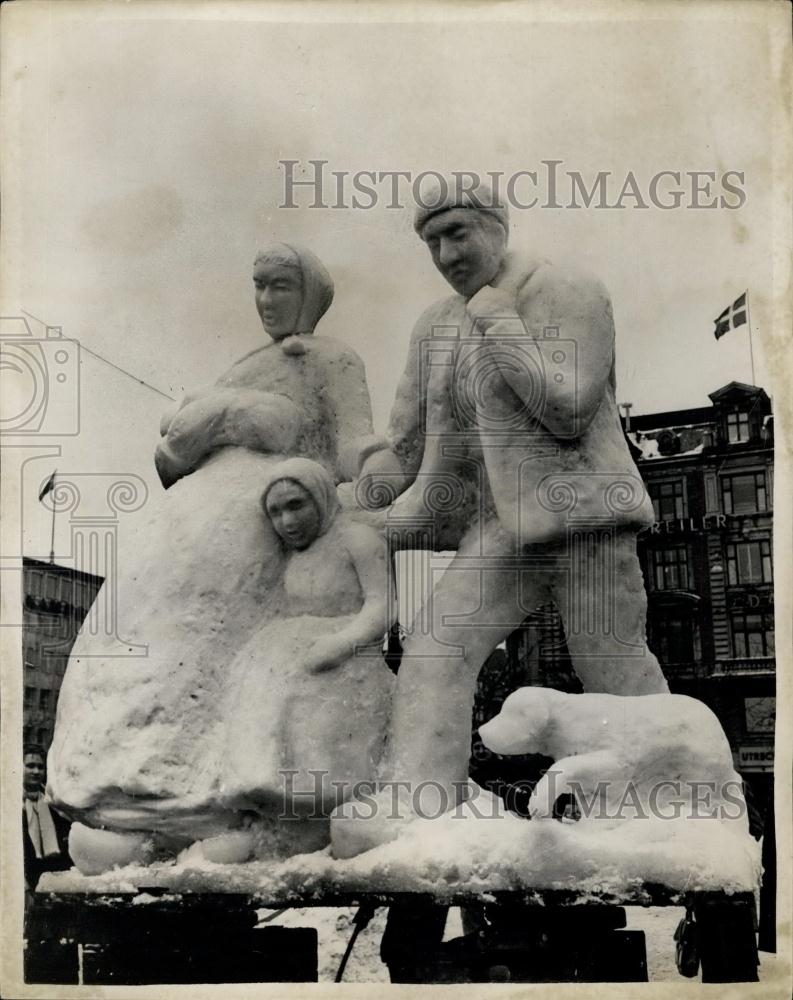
(457,854)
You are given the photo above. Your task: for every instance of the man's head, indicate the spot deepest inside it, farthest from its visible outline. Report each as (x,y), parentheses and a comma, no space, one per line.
(466,232)
(34,767)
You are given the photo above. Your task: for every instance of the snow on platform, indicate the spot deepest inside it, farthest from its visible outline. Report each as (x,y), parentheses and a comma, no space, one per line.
(456,855)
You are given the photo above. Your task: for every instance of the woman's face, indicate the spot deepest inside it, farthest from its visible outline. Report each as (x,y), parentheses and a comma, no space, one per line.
(294,514)
(279,297)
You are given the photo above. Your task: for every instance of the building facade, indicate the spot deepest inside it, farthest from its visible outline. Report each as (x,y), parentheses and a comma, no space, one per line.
(56,601)
(708,563)
(708,567)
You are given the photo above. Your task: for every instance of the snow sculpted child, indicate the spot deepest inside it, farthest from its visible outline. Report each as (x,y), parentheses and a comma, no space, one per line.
(138,739)
(310,694)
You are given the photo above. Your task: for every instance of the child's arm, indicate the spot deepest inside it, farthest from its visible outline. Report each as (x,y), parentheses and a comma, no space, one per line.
(367,550)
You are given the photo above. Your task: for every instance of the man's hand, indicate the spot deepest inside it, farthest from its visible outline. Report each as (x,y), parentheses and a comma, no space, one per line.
(491,304)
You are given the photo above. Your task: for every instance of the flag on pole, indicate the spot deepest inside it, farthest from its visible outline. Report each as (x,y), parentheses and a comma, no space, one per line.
(732,317)
(48,487)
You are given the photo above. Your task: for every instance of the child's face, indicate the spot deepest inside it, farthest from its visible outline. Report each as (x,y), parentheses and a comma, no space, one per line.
(293,513)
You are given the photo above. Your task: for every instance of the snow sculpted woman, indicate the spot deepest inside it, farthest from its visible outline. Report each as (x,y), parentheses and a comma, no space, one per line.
(138,740)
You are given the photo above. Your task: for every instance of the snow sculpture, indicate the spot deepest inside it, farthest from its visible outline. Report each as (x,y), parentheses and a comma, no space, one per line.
(310,689)
(505,445)
(142,744)
(652,756)
(660,759)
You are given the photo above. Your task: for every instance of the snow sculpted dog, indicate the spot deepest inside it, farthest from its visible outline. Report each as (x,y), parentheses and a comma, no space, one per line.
(622,757)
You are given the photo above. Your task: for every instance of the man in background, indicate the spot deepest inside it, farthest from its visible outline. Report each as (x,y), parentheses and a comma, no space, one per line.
(45,833)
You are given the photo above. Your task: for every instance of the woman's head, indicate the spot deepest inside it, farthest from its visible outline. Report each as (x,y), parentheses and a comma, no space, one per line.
(300,500)
(293,289)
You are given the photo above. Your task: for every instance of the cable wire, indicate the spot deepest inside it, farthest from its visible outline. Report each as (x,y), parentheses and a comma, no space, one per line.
(361,919)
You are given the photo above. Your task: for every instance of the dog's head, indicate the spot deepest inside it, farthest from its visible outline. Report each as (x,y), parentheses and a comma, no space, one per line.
(521,725)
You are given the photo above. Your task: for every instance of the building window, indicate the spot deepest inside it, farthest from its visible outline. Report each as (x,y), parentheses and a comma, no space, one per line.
(82,597)
(744,494)
(30,696)
(737,427)
(67,590)
(749,562)
(668,500)
(670,568)
(752,634)
(45,699)
(676,640)
(760,714)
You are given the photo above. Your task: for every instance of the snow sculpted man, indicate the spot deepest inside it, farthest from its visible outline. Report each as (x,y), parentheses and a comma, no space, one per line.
(140,741)
(506,446)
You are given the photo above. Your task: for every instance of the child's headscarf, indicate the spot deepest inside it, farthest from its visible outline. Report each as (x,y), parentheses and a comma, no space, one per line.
(314,479)
(317,283)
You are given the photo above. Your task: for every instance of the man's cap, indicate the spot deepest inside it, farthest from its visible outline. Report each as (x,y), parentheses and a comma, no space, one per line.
(446,193)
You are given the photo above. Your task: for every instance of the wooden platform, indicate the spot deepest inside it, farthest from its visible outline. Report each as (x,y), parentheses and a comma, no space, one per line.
(149,935)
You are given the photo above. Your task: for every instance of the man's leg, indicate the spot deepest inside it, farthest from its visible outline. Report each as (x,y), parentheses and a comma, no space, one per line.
(472,608)
(600,594)
(483,596)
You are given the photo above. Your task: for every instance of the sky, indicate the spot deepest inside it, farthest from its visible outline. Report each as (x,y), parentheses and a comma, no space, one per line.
(144,174)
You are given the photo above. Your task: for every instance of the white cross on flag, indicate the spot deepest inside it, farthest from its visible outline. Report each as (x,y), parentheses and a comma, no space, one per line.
(732,317)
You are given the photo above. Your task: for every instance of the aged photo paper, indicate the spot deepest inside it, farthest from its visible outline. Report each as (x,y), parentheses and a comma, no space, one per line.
(396,498)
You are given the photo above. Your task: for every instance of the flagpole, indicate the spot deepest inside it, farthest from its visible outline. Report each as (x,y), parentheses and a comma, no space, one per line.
(52,535)
(749,324)
(49,487)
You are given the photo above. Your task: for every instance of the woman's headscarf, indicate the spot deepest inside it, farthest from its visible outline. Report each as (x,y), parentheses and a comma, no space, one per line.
(314,479)
(317,283)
